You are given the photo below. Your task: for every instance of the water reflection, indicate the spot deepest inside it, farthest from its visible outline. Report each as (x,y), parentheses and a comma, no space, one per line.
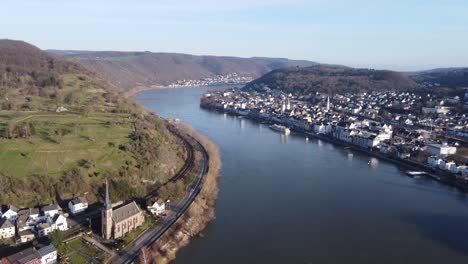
(284,138)
(373,163)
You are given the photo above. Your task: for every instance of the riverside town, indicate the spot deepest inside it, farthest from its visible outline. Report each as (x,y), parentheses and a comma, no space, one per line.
(426,133)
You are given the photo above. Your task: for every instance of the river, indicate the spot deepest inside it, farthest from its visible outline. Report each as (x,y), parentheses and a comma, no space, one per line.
(284,199)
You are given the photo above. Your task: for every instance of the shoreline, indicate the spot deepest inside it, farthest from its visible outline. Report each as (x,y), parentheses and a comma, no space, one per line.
(435,174)
(199,214)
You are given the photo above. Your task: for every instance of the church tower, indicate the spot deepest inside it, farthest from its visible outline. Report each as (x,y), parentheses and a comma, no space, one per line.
(106,216)
(328,103)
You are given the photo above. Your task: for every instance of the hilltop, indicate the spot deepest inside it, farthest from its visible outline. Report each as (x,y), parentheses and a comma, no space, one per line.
(63,131)
(332,79)
(134,70)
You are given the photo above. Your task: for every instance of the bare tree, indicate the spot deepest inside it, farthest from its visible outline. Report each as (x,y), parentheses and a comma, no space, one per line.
(144,257)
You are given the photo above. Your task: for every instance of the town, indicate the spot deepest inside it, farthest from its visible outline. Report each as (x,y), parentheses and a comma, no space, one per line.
(423,132)
(19,226)
(232,78)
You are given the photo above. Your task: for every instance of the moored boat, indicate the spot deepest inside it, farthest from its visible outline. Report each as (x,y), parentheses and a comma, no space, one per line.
(280,128)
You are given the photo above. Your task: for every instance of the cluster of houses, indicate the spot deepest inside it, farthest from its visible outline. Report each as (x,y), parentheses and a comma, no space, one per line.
(43,255)
(28,223)
(444,115)
(231,78)
(386,122)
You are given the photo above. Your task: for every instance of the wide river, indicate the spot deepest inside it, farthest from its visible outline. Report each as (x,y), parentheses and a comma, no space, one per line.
(284,199)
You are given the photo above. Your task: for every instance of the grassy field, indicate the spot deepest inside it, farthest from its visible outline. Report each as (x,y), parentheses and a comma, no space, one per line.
(63,141)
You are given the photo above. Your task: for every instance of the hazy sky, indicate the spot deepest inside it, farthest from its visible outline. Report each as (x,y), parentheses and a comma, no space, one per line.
(398,34)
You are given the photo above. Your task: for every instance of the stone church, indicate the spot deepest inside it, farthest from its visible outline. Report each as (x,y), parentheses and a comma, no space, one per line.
(118,222)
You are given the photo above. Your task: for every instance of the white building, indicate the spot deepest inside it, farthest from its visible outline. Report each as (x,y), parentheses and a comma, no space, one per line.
(48,254)
(11,213)
(441,149)
(58,222)
(322,129)
(434,161)
(78,205)
(7,229)
(43,229)
(158,207)
(51,210)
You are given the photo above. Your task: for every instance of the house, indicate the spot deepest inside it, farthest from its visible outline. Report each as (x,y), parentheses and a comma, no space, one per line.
(43,229)
(434,161)
(58,222)
(441,149)
(51,210)
(33,214)
(7,229)
(78,205)
(10,212)
(26,236)
(452,167)
(158,207)
(24,220)
(322,129)
(27,256)
(48,254)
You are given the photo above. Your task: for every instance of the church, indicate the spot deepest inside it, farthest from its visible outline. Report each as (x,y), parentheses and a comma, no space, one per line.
(117,222)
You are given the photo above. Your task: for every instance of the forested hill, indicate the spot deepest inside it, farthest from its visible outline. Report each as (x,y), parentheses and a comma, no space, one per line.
(445,77)
(63,131)
(333,79)
(127,70)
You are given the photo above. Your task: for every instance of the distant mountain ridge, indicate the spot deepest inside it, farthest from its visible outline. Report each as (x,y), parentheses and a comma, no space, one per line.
(333,79)
(130,70)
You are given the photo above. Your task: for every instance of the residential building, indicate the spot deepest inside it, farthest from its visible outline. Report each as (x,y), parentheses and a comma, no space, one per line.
(7,229)
(441,149)
(158,207)
(48,254)
(78,205)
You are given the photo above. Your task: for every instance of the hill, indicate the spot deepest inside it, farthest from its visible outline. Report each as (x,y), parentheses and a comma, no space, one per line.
(332,79)
(133,70)
(444,77)
(63,131)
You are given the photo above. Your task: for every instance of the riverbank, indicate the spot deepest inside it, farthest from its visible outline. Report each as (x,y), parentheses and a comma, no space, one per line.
(199,214)
(435,174)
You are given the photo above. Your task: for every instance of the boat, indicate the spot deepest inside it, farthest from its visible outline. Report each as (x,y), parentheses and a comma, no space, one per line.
(416,174)
(280,128)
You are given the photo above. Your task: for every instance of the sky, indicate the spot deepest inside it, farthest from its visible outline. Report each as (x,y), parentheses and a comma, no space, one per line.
(401,35)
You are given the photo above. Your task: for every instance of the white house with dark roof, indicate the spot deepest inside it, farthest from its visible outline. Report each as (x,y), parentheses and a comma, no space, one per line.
(51,210)
(58,222)
(78,205)
(7,229)
(10,212)
(158,207)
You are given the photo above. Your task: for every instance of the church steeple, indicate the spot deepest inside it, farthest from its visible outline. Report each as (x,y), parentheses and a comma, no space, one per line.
(108,204)
(106,216)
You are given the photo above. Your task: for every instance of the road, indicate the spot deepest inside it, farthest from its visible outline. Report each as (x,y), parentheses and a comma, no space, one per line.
(150,236)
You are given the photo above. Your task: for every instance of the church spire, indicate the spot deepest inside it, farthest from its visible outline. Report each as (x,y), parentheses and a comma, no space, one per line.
(108,203)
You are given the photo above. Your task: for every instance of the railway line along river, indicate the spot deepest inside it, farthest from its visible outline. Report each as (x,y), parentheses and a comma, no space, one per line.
(284,199)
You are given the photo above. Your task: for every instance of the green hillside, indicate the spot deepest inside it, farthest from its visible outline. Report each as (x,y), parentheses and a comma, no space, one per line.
(62,132)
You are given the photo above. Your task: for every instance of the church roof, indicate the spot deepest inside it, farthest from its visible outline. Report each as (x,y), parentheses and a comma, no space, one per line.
(125,212)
